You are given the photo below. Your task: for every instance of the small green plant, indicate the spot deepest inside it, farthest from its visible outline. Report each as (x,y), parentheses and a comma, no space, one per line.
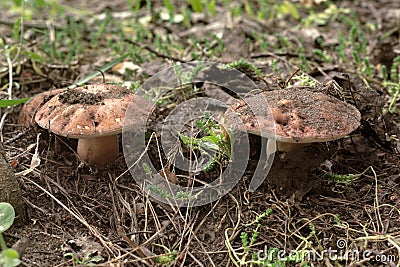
(274,65)
(249,241)
(368,69)
(270,10)
(331,13)
(341,47)
(322,55)
(158,191)
(304,64)
(147,169)
(246,258)
(345,179)
(337,220)
(272,257)
(53,46)
(96,35)
(210,5)
(171,9)
(167,258)
(181,195)
(11,54)
(341,178)
(213,143)
(196,5)
(211,48)
(8,257)
(244,66)
(305,80)
(284,44)
(86,260)
(357,41)
(286,8)
(392,85)
(394,91)
(154,188)
(263,41)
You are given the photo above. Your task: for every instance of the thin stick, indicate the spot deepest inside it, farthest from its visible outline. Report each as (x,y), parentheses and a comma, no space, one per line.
(158,54)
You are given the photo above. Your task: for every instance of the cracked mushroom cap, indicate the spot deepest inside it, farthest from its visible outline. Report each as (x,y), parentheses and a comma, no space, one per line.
(27,114)
(87,111)
(299,116)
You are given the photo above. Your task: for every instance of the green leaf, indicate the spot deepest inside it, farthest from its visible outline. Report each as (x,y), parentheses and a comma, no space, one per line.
(9,258)
(210,139)
(17,26)
(169,5)
(189,140)
(13,102)
(208,145)
(38,3)
(7,215)
(34,56)
(196,6)
(248,8)
(17,2)
(211,7)
(96,258)
(146,168)
(288,8)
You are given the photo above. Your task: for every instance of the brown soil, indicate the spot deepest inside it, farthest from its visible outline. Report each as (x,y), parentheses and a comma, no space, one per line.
(83,96)
(76,97)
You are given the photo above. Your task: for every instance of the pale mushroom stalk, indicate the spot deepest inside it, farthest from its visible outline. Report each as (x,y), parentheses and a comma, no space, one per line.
(287,147)
(99,150)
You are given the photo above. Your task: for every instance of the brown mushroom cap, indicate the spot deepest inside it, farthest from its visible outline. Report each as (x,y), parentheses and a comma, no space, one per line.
(28,111)
(299,116)
(86,112)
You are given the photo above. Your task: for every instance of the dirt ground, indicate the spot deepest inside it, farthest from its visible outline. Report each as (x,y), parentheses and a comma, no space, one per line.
(90,212)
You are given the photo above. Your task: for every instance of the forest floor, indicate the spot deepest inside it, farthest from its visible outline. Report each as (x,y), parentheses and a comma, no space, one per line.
(347,211)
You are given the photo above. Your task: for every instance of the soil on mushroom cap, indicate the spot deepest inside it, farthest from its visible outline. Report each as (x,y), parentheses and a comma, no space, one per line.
(78,97)
(84,96)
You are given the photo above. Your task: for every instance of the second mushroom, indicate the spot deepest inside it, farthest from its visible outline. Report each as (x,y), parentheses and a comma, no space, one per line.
(299,117)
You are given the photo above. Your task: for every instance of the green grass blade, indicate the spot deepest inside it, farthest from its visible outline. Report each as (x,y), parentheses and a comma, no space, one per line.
(96,73)
(8,103)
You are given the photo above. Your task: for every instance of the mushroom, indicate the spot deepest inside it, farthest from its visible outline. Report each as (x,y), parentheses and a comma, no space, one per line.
(300,117)
(28,111)
(93,114)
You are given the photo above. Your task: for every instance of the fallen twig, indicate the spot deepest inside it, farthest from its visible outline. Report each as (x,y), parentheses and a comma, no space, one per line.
(158,54)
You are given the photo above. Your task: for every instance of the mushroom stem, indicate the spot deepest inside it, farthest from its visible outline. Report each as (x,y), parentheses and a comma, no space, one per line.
(99,150)
(287,147)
